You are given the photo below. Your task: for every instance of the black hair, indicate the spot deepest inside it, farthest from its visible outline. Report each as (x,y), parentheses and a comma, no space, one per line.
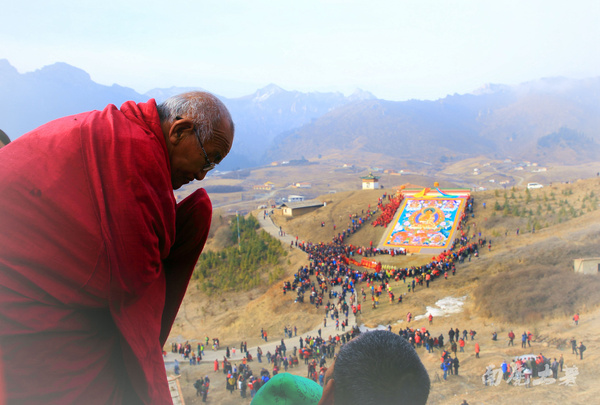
(379,368)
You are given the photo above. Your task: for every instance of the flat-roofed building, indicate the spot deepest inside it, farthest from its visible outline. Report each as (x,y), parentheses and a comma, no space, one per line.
(588,265)
(294,209)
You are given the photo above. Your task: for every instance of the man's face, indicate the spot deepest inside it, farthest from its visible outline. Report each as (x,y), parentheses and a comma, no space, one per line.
(187,157)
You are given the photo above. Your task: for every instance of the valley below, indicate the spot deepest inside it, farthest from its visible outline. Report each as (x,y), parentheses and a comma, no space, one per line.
(524,282)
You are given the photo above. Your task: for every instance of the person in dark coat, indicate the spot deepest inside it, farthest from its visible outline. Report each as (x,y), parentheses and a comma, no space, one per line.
(582,349)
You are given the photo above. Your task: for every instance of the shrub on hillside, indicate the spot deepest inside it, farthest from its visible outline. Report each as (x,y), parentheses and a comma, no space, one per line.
(534,293)
(550,211)
(240,267)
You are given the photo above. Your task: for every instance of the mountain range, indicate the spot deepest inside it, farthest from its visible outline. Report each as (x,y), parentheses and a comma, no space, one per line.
(546,120)
(270,111)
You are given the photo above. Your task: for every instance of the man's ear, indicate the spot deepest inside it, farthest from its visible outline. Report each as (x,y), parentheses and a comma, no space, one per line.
(179,128)
(328,393)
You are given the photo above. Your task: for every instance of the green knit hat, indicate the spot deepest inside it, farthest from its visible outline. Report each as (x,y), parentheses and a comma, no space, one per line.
(288,389)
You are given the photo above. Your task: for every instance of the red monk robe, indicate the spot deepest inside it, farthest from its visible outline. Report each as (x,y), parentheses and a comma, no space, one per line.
(95,257)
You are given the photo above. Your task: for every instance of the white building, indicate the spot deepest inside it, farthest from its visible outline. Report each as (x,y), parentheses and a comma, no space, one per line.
(590,265)
(370,182)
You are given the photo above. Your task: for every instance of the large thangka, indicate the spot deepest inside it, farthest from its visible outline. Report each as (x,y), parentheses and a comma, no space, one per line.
(426,220)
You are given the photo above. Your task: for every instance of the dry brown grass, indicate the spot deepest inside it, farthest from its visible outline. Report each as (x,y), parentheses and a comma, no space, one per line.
(536,293)
(520,263)
(339,206)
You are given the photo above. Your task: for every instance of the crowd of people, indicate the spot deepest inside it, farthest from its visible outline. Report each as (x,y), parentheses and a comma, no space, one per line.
(330,282)
(329,266)
(387,210)
(314,351)
(202,387)
(376,367)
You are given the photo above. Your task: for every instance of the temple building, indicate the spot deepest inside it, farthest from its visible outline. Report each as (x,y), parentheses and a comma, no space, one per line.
(370,182)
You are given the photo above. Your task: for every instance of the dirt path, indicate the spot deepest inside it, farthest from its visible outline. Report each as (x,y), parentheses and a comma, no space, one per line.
(266,223)
(274,337)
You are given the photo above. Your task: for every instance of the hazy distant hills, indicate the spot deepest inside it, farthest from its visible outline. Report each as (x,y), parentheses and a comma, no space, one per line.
(548,120)
(31,99)
(261,116)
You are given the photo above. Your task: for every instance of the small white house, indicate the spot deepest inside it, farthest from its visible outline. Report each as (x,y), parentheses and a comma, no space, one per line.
(588,265)
(370,182)
(303,185)
(295,198)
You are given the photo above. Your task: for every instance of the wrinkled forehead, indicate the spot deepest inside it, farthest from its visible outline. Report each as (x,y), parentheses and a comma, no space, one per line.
(222,139)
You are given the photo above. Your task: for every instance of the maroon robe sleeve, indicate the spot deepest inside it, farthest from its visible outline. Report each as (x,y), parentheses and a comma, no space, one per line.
(192,225)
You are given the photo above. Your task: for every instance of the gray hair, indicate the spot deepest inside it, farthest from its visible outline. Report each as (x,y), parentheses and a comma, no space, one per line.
(204,109)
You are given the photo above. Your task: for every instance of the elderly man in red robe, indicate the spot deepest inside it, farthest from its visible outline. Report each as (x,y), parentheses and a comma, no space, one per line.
(95,253)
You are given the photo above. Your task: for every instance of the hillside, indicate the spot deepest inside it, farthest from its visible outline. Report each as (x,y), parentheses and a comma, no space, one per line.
(542,295)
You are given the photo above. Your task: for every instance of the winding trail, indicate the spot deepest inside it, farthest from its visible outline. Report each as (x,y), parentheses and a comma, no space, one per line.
(266,223)
(274,337)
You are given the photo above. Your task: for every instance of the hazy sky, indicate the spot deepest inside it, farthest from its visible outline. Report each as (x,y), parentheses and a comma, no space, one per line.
(395,49)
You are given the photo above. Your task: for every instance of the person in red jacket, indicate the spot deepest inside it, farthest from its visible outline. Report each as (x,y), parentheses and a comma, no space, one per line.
(477,349)
(95,251)
(511,338)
